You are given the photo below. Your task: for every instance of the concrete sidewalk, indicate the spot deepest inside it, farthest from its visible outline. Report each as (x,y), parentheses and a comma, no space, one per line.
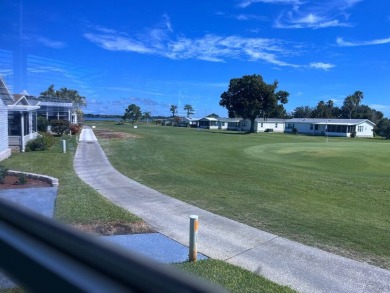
(286,262)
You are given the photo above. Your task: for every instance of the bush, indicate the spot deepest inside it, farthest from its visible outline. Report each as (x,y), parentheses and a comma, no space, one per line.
(42,124)
(74,129)
(3,173)
(22,179)
(41,143)
(294,130)
(353,134)
(59,126)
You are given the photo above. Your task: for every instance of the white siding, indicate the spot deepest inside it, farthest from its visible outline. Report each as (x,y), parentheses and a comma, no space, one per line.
(262,126)
(364,130)
(5,152)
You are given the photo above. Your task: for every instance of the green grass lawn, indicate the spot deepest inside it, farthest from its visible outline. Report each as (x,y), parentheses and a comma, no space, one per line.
(331,194)
(77,203)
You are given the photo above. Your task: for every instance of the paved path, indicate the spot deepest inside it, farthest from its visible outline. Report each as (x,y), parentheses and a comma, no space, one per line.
(301,267)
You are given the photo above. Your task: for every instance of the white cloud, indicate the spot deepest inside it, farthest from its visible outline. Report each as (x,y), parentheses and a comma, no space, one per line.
(379,107)
(342,43)
(209,47)
(246,3)
(310,14)
(50,43)
(321,65)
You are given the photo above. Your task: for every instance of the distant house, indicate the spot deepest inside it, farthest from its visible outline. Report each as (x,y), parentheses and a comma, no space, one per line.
(331,127)
(208,123)
(54,109)
(229,123)
(264,125)
(5,151)
(191,122)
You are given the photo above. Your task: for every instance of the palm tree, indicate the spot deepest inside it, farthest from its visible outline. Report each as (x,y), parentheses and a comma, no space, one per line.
(189,110)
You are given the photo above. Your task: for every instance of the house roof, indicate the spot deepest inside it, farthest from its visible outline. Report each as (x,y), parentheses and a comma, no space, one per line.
(5,94)
(56,104)
(229,119)
(329,121)
(209,119)
(22,108)
(271,120)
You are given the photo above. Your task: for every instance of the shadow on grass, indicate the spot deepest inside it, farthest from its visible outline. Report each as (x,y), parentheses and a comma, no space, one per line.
(228,133)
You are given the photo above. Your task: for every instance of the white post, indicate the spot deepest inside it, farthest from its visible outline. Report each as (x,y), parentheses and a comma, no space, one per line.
(64,146)
(22,132)
(193,247)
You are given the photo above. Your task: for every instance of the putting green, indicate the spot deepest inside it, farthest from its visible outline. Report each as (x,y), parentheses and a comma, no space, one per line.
(330,157)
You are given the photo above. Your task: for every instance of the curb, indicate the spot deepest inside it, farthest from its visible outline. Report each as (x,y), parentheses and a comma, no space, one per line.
(51,180)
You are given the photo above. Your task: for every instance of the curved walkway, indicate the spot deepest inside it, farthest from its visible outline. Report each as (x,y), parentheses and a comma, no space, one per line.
(286,262)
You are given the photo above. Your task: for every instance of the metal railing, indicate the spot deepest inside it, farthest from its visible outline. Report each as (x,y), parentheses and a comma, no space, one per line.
(42,255)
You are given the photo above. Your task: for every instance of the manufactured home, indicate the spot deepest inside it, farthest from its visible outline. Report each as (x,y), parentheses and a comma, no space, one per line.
(229,123)
(208,123)
(331,127)
(264,125)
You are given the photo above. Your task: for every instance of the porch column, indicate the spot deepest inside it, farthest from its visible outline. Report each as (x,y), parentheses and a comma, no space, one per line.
(22,131)
(30,124)
(58,115)
(47,115)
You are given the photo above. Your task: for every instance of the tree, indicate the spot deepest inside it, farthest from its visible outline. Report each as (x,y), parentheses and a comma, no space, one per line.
(173,110)
(302,112)
(146,116)
(250,97)
(383,128)
(213,115)
(66,94)
(352,102)
(50,92)
(189,110)
(133,113)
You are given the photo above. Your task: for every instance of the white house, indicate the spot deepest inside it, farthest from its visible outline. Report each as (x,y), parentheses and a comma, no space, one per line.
(264,125)
(22,118)
(331,127)
(54,109)
(5,151)
(229,123)
(208,123)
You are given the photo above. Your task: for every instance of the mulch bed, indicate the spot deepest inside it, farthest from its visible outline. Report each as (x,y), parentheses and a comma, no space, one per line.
(12,182)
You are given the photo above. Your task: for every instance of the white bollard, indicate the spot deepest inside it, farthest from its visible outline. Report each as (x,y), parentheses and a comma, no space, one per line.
(64,146)
(193,248)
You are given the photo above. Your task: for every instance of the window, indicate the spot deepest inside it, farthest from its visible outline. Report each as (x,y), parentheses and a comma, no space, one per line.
(311,126)
(360,128)
(316,127)
(261,125)
(243,123)
(276,125)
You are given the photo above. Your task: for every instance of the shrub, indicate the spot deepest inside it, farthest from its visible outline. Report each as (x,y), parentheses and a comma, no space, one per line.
(42,123)
(59,126)
(74,128)
(22,179)
(3,173)
(41,143)
(48,139)
(294,130)
(353,134)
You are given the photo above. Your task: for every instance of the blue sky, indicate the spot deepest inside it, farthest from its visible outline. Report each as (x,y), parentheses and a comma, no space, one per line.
(161,53)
